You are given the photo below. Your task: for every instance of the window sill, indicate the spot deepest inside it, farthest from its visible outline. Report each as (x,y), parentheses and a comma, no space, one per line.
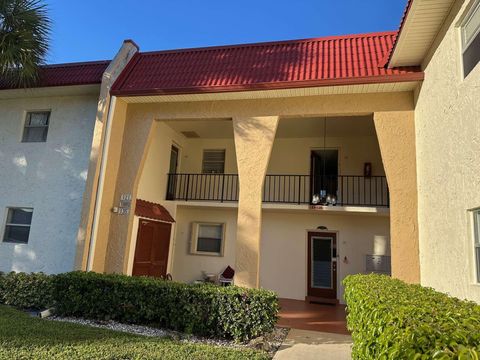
(206,254)
(13,243)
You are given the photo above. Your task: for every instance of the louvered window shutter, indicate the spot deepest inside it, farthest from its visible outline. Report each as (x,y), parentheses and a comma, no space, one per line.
(213,162)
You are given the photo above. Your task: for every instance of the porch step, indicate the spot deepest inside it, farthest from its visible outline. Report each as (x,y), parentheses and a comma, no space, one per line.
(320,300)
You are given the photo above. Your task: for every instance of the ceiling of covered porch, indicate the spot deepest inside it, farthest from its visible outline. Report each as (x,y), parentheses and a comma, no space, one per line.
(292,127)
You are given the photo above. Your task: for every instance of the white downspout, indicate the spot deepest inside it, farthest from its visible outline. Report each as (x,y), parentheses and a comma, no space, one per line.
(101,181)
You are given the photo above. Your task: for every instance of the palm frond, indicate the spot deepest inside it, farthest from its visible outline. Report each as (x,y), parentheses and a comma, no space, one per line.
(24,40)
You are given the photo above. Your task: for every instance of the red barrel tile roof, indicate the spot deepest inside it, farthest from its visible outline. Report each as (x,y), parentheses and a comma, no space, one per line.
(150,210)
(84,73)
(334,60)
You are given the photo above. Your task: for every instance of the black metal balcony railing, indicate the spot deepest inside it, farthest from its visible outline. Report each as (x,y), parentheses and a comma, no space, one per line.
(203,187)
(350,190)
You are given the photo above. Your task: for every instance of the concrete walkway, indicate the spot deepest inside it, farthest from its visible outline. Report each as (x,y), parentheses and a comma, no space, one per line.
(306,345)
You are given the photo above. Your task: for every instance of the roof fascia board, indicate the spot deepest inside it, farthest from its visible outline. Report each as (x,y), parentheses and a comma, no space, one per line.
(401,43)
(51,91)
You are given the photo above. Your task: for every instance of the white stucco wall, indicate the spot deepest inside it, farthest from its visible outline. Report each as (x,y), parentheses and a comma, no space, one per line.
(283,260)
(447,124)
(49,176)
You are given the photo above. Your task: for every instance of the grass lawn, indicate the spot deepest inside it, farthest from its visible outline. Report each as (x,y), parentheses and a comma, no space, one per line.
(25,337)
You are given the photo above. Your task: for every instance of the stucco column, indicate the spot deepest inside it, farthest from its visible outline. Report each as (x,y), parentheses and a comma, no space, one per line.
(396,137)
(136,141)
(254,137)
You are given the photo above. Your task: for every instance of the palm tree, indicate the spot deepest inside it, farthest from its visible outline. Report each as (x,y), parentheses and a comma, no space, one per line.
(24,40)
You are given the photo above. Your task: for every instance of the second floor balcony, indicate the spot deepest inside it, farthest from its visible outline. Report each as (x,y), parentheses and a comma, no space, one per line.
(341,190)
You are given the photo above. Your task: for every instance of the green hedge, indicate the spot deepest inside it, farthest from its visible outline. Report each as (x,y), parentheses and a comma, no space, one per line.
(208,310)
(227,312)
(26,291)
(390,319)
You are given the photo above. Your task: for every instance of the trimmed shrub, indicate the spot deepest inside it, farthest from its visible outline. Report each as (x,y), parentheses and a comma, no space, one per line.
(207,310)
(27,338)
(26,291)
(390,319)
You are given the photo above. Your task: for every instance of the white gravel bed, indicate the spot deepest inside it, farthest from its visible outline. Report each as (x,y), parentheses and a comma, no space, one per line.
(113,325)
(269,343)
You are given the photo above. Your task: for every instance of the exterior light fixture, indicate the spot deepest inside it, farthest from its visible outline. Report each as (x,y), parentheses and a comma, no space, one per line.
(333,200)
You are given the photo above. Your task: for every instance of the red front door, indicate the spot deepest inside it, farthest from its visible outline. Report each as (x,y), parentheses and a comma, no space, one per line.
(322,265)
(151,252)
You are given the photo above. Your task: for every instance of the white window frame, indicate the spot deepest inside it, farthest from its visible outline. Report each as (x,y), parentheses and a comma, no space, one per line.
(464,46)
(475,221)
(7,224)
(194,240)
(205,161)
(26,126)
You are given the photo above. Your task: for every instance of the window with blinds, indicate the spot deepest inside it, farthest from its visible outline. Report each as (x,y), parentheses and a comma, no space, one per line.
(470,30)
(208,239)
(36,126)
(213,161)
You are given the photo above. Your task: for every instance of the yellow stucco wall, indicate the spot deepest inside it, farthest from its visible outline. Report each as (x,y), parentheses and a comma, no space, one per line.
(396,136)
(153,181)
(289,156)
(254,123)
(127,151)
(331,105)
(137,137)
(188,267)
(292,155)
(448,147)
(192,154)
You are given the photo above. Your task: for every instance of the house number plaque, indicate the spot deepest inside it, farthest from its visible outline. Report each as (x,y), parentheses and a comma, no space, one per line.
(125,204)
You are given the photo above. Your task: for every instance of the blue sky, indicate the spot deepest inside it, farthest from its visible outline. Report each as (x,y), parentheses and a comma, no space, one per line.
(94,30)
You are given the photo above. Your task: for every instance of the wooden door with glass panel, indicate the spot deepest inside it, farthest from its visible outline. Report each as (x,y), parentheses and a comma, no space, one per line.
(322,265)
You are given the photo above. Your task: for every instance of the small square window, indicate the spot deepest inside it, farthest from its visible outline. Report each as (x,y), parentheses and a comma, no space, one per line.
(36,126)
(208,238)
(470,31)
(17,226)
(213,162)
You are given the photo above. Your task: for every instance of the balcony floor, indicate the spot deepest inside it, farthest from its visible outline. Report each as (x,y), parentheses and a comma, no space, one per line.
(275,207)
